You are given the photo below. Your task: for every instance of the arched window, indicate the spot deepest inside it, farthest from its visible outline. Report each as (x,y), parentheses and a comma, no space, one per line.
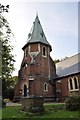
(76,82)
(45,86)
(25,90)
(73,83)
(44,51)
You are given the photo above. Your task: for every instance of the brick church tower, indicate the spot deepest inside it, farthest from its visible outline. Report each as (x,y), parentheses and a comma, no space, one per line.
(37,68)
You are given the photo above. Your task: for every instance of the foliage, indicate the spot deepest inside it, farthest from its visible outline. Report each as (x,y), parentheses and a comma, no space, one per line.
(59,60)
(7,63)
(10,89)
(3,103)
(14,81)
(73,103)
(6,100)
(56,61)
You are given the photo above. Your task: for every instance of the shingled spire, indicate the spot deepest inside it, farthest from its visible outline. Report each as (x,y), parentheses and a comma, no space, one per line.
(36,34)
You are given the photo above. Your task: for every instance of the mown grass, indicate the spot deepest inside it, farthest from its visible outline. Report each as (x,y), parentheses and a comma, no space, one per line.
(0,113)
(51,111)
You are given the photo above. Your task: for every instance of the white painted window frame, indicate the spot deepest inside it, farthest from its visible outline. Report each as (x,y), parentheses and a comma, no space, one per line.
(73,84)
(46,87)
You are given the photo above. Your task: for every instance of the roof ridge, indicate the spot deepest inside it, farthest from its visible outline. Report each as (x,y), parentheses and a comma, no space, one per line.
(77,54)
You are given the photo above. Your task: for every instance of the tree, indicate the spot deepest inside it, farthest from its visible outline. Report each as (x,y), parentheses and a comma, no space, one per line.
(56,61)
(11,88)
(59,60)
(7,57)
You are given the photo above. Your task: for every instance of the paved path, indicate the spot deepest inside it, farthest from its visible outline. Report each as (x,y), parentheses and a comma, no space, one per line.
(53,103)
(13,104)
(19,104)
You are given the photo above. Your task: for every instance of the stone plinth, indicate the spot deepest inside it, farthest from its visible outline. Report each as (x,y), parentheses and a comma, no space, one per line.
(32,104)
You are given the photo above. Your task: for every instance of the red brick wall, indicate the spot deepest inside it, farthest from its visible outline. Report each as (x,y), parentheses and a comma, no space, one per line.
(17,90)
(40,71)
(79,83)
(34,47)
(63,86)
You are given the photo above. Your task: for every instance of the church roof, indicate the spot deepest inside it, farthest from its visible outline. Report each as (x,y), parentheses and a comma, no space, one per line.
(36,34)
(68,66)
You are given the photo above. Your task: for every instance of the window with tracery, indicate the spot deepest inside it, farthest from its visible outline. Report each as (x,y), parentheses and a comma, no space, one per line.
(73,83)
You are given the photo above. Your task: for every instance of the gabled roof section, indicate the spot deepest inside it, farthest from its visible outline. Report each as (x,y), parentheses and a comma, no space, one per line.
(36,34)
(68,66)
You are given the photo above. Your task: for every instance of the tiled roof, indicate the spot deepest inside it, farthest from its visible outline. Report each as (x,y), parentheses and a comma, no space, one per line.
(69,66)
(36,34)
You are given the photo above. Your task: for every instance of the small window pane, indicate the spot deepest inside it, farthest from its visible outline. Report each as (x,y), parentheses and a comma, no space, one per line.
(71,86)
(45,87)
(75,83)
(44,51)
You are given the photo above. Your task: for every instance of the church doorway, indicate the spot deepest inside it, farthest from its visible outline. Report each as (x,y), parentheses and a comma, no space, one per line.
(25,90)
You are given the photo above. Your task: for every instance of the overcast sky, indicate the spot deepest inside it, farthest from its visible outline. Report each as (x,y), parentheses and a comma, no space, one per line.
(59,21)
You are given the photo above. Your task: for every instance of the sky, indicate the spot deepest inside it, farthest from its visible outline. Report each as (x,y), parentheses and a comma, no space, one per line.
(59,21)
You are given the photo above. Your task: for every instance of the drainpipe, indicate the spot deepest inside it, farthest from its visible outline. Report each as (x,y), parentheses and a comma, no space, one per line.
(50,82)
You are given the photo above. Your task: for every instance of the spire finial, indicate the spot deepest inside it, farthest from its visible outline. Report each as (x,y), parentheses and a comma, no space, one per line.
(36,13)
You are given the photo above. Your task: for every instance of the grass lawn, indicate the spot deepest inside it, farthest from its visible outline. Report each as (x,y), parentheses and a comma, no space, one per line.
(51,111)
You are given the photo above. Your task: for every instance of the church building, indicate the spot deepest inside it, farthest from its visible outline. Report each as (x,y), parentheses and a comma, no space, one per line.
(68,77)
(37,69)
(38,74)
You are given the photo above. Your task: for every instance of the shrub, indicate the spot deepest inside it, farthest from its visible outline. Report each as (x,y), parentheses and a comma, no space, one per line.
(6,100)
(3,103)
(72,103)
